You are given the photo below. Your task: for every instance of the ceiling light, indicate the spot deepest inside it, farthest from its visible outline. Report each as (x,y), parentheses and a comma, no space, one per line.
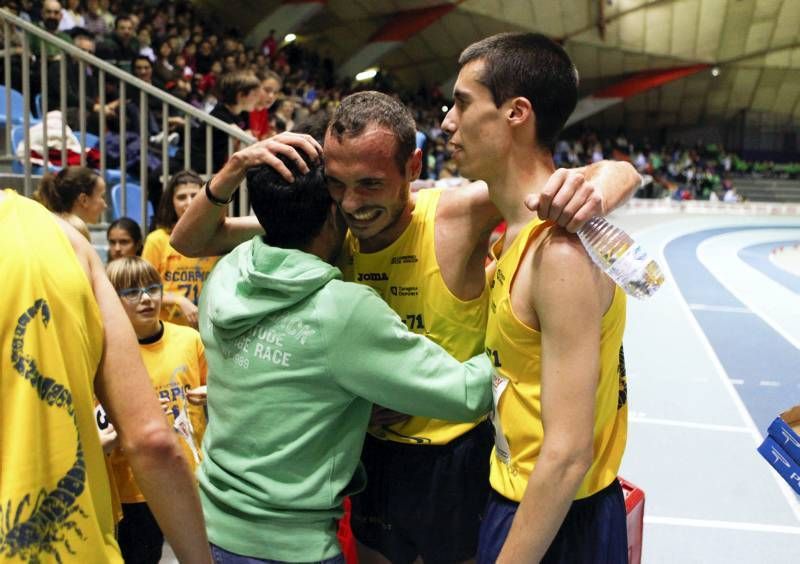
(444,109)
(290,37)
(715,72)
(367,74)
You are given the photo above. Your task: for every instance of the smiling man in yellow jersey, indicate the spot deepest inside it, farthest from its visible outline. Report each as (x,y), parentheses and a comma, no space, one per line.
(424,253)
(555,321)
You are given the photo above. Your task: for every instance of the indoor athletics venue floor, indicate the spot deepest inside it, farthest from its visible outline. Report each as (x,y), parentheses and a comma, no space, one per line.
(712,358)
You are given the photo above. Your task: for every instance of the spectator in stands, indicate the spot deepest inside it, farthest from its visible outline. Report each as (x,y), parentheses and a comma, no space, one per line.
(239,92)
(164,71)
(83,39)
(124,238)
(71,16)
(146,44)
(259,118)
(73,190)
(122,46)
(51,19)
(183,276)
(175,362)
(270,45)
(204,58)
(94,20)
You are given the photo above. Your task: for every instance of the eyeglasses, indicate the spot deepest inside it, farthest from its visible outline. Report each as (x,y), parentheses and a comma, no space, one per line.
(134,295)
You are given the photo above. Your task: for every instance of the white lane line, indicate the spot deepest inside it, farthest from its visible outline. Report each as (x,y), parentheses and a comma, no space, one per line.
(719,308)
(747,419)
(689,424)
(770,383)
(731,525)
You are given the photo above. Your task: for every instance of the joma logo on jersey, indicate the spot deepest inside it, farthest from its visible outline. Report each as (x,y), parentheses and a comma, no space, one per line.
(372,276)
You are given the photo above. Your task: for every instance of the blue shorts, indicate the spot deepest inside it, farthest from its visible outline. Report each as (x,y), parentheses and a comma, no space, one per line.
(593,532)
(222,556)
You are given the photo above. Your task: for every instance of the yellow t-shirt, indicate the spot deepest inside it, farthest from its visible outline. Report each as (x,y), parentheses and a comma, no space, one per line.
(516,350)
(55,501)
(406,274)
(180,275)
(175,363)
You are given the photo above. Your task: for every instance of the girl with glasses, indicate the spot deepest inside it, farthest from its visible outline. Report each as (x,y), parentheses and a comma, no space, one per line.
(175,361)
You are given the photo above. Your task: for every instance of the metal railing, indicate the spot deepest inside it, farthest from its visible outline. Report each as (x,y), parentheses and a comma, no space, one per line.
(126,80)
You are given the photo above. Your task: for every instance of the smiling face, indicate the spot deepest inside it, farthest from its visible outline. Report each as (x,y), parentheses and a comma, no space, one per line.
(182,197)
(479,136)
(365,181)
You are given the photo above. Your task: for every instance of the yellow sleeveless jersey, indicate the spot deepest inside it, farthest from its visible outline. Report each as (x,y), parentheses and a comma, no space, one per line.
(406,275)
(55,498)
(180,274)
(175,363)
(516,350)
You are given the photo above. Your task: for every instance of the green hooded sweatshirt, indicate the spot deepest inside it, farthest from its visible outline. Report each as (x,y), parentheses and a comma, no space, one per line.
(296,359)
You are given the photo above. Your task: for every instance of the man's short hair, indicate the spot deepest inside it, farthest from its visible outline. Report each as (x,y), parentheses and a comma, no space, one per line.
(78,32)
(291,213)
(234,83)
(122,18)
(370,108)
(534,67)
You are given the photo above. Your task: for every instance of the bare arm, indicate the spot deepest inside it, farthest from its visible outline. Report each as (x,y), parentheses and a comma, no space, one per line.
(204,230)
(573,196)
(571,297)
(150,445)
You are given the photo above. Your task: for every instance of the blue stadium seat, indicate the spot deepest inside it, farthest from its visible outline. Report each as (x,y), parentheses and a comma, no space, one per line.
(37,104)
(132,196)
(17,107)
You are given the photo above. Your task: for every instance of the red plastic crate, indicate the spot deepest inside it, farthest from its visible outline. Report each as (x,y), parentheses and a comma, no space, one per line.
(634,507)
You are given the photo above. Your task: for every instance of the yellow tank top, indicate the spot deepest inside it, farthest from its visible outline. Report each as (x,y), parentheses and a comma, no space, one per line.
(175,363)
(55,499)
(516,351)
(406,274)
(180,274)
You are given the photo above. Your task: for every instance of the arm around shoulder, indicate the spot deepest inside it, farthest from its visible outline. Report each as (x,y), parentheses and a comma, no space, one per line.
(402,370)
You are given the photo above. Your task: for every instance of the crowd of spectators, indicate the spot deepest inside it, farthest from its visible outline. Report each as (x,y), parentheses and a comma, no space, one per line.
(275,87)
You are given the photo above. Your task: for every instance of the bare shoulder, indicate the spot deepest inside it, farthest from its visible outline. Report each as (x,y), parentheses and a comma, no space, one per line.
(83,249)
(564,273)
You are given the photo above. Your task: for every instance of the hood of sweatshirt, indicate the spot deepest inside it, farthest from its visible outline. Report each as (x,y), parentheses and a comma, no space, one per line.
(256,280)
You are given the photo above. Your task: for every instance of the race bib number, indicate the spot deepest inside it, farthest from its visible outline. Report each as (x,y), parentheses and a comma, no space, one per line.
(501,447)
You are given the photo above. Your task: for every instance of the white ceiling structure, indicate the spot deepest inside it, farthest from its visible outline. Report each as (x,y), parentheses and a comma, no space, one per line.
(755,44)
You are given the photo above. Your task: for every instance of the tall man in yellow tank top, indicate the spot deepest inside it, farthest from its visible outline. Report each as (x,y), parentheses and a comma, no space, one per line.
(425,254)
(555,320)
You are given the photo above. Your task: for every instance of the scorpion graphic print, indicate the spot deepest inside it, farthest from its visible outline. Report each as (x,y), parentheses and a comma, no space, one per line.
(44,522)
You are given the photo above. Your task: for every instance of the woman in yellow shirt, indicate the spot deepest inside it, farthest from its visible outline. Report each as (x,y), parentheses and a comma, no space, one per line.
(182,276)
(175,361)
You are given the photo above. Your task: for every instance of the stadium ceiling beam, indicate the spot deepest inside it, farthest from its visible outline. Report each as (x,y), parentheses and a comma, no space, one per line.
(402,26)
(621,91)
(603,21)
(286,18)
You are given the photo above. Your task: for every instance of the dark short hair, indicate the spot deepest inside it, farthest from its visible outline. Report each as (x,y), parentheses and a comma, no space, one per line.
(291,213)
(534,67)
(362,109)
(166,217)
(141,58)
(236,82)
(79,31)
(121,18)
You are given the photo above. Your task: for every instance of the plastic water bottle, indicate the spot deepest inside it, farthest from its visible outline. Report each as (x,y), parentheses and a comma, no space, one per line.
(619,256)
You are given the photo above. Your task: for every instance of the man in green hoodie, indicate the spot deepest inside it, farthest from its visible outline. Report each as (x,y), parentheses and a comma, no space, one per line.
(297,358)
